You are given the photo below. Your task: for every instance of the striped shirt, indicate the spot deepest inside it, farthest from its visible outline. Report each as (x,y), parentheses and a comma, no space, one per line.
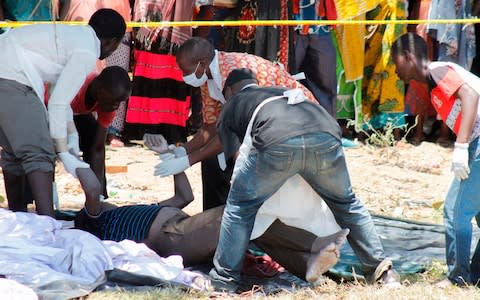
(131,222)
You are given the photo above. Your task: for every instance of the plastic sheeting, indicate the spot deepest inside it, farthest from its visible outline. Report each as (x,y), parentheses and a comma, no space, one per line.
(411,245)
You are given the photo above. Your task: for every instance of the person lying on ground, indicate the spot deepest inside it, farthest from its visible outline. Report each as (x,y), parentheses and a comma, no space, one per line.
(167,230)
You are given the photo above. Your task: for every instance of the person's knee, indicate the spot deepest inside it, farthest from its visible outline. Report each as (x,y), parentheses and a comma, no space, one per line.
(43,162)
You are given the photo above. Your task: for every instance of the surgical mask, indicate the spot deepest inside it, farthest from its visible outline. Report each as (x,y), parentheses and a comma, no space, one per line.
(193,80)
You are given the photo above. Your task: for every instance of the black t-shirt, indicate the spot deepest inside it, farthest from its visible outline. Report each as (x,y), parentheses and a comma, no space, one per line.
(275,122)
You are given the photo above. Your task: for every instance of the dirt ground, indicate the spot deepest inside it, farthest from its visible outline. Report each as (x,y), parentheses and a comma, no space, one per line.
(403,181)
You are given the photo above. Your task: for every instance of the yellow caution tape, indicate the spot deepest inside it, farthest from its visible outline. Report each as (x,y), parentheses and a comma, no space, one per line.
(259,23)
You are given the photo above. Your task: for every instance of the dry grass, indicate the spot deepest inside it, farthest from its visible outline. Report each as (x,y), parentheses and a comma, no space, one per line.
(352,291)
(418,286)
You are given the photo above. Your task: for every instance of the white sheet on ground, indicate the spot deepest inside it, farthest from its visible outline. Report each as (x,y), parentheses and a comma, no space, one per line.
(12,290)
(36,252)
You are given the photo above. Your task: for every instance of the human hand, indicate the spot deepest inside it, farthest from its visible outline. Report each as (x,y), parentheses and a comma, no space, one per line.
(71,163)
(155,142)
(460,161)
(176,151)
(172,166)
(179,151)
(73,143)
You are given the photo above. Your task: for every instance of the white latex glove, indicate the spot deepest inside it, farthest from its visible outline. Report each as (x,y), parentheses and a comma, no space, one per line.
(167,156)
(71,163)
(172,166)
(177,151)
(155,142)
(460,161)
(73,143)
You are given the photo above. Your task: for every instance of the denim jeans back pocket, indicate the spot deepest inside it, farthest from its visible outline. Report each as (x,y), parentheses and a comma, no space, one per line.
(274,161)
(327,157)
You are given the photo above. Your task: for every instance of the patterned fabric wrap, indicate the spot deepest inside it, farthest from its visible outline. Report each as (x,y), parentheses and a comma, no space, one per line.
(268,74)
(159,95)
(383,92)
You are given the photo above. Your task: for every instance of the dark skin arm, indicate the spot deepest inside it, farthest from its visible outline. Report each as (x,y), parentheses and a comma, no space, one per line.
(469,100)
(183,192)
(204,144)
(212,148)
(97,153)
(92,189)
(201,138)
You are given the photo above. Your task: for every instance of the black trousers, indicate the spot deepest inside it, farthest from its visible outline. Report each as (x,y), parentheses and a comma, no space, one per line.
(215,182)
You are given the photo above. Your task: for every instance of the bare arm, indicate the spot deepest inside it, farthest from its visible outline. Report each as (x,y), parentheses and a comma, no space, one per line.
(97,153)
(201,138)
(183,192)
(92,188)
(469,100)
(213,147)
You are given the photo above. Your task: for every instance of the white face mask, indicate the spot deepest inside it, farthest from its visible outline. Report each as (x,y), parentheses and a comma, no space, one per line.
(193,80)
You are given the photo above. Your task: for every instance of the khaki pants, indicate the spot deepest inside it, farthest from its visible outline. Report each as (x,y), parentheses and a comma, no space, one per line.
(195,238)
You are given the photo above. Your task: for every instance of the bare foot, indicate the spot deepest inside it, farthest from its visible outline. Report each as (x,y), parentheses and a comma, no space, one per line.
(327,255)
(337,238)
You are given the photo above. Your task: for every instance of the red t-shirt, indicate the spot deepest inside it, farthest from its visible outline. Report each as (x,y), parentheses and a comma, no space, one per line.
(104,118)
(78,106)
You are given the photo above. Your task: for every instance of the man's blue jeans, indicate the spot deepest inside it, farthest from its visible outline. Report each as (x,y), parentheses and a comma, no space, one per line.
(461,206)
(319,159)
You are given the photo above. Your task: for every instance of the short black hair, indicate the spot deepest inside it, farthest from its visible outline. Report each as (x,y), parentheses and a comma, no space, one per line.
(238,75)
(196,48)
(108,24)
(116,80)
(410,42)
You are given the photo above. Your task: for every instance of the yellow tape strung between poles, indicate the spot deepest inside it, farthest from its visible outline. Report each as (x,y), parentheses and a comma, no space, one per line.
(259,23)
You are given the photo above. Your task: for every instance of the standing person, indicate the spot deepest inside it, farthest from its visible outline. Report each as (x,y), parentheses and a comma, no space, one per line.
(28,138)
(207,68)
(288,138)
(454,94)
(78,10)
(315,52)
(160,100)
